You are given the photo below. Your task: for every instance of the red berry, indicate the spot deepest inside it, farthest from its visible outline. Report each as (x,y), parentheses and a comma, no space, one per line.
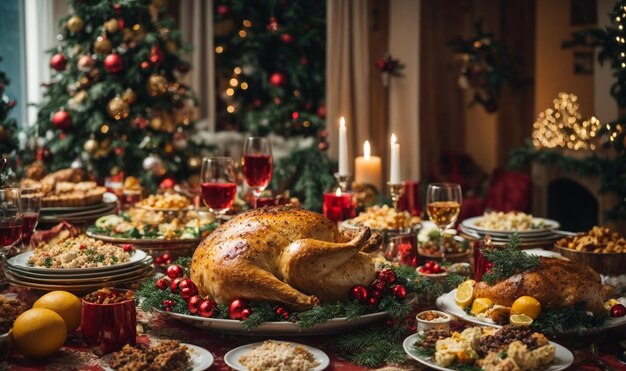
(207,308)
(246,313)
(174,286)
(127,247)
(372,302)
(166,257)
(375,294)
(194,303)
(174,271)
(162,283)
(167,303)
(359,293)
(159,260)
(379,285)
(388,275)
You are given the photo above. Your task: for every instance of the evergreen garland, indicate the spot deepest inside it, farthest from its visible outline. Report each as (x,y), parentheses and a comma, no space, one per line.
(508,261)
(373,347)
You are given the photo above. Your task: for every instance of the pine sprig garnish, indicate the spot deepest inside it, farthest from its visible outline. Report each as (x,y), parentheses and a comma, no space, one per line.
(319,314)
(261,312)
(152,297)
(453,281)
(373,347)
(395,308)
(185,262)
(421,350)
(568,320)
(508,261)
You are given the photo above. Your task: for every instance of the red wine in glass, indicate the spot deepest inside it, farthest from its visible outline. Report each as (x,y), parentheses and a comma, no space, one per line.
(28,226)
(10,233)
(219,196)
(257,169)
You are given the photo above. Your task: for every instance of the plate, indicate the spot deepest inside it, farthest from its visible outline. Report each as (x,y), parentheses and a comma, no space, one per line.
(229,326)
(347,225)
(200,358)
(145,242)
(26,273)
(21,261)
(549,225)
(446,303)
(107,198)
(562,360)
(138,271)
(232,357)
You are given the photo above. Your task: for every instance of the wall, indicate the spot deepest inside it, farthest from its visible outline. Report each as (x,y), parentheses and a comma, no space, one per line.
(554,71)
(605,105)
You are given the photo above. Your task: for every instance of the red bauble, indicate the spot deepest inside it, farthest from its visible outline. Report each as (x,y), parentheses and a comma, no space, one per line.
(163,283)
(379,285)
(207,308)
(272,24)
(194,303)
(399,292)
(113,63)
(372,302)
(117,7)
(287,38)
(168,304)
(167,259)
(174,286)
(359,293)
(127,247)
(187,288)
(156,55)
(321,111)
(58,62)
(167,183)
(245,314)
(236,308)
(388,275)
(223,10)
(144,65)
(618,310)
(159,260)
(62,120)
(282,312)
(277,79)
(304,60)
(373,293)
(174,271)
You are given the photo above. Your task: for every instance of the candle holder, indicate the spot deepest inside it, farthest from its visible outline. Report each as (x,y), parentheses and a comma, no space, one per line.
(344,181)
(395,190)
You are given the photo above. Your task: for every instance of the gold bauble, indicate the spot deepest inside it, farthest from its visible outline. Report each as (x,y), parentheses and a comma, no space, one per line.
(75,24)
(156,122)
(171,46)
(139,32)
(129,96)
(169,125)
(102,45)
(156,85)
(194,162)
(117,108)
(112,26)
(168,148)
(164,33)
(90,145)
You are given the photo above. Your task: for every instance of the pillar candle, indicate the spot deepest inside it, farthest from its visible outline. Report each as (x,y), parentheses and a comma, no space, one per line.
(339,206)
(394,166)
(368,169)
(343,147)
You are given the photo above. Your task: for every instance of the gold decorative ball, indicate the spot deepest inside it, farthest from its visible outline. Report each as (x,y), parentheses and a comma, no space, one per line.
(139,32)
(90,145)
(164,33)
(157,85)
(117,108)
(129,96)
(156,122)
(102,45)
(194,162)
(112,26)
(168,148)
(171,46)
(75,24)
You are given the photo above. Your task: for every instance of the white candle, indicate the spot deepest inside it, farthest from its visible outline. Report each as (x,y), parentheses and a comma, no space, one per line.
(394,166)
(343,147)
(367,168)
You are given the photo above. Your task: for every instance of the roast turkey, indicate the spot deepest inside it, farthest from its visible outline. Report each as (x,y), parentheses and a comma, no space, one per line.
(282,255)
(555,283)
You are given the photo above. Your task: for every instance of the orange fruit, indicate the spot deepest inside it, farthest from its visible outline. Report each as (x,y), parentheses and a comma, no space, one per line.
(526,305)
(66,305)
(39,333)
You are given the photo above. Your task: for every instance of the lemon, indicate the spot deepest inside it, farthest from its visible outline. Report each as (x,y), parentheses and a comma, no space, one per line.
(464,293)
(520,320)
(66,305)
(481,305)
(38,333)
(526,305)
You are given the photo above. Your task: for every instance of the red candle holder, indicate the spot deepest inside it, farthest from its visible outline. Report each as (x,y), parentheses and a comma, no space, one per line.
(339,206)
(411,199)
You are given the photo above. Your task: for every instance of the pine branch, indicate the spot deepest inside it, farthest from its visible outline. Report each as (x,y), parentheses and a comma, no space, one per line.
(373,347)
(261,313)
(568,320)
(508,261)
(319,314)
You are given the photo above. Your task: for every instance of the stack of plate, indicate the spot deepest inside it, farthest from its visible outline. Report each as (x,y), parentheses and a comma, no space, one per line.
(78,214)
(79,280)
(546,234)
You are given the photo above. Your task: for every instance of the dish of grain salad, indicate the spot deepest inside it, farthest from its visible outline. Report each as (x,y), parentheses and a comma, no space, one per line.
(276,355)
(78,252)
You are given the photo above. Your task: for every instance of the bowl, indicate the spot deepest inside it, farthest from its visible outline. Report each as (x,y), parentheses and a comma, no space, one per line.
(610,264)
(440,322)
(437,277)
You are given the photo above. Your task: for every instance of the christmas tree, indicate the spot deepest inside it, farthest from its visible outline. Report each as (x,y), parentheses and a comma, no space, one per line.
(270,59)
(8,125)
(115,101)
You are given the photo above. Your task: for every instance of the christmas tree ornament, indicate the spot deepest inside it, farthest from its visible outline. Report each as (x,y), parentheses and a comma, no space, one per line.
(372,302)
(129,96)
(168,304)
(287,38)
(272,24)
(167,183)
(156,55)
(58,62)
(174,286)
(321,111)
(62,120)
(156,85)
(102,45)
(379,285)
(117,108)
(156,122)
(277,79)
(140,122)
(193,304)
(85,63)
(90,145)
(399,292)
(193,162)
(187,288)
(236,308)
(113,63)
(618,310)
(75,24)
(77,100)
(179,141)
(119,151)
(359,293)
(152,163)
(112,25)
(388,275)
(145,65)
(175,270)
(163,283)
(171,46)
(207,308)
(139,32)
(168,148)
(246,313)
(248,69)
(323,146)
(282,312)
(223,10)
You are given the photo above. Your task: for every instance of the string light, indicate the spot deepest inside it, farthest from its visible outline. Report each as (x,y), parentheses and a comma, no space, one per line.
(219,49)
(104,129)
(237,70)
(242,33)
(234,82)
(244,86)
(230,109)
(247,23)
(230,92)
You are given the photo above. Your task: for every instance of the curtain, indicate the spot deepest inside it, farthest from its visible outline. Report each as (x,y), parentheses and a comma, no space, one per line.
(347,73)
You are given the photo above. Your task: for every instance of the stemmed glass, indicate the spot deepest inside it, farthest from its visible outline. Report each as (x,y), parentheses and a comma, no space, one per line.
(257,165)
(10,219)
(443,204)
(219,184)
(30,199)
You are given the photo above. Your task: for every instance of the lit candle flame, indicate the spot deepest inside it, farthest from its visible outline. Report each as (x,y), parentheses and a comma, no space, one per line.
(366,150)
(393,139)
(342,122)
(338,192)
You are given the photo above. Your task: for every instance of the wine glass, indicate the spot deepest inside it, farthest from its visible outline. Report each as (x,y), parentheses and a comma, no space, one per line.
(10,219)
(30,199)
(257,165)
(443,204)
(219,184)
